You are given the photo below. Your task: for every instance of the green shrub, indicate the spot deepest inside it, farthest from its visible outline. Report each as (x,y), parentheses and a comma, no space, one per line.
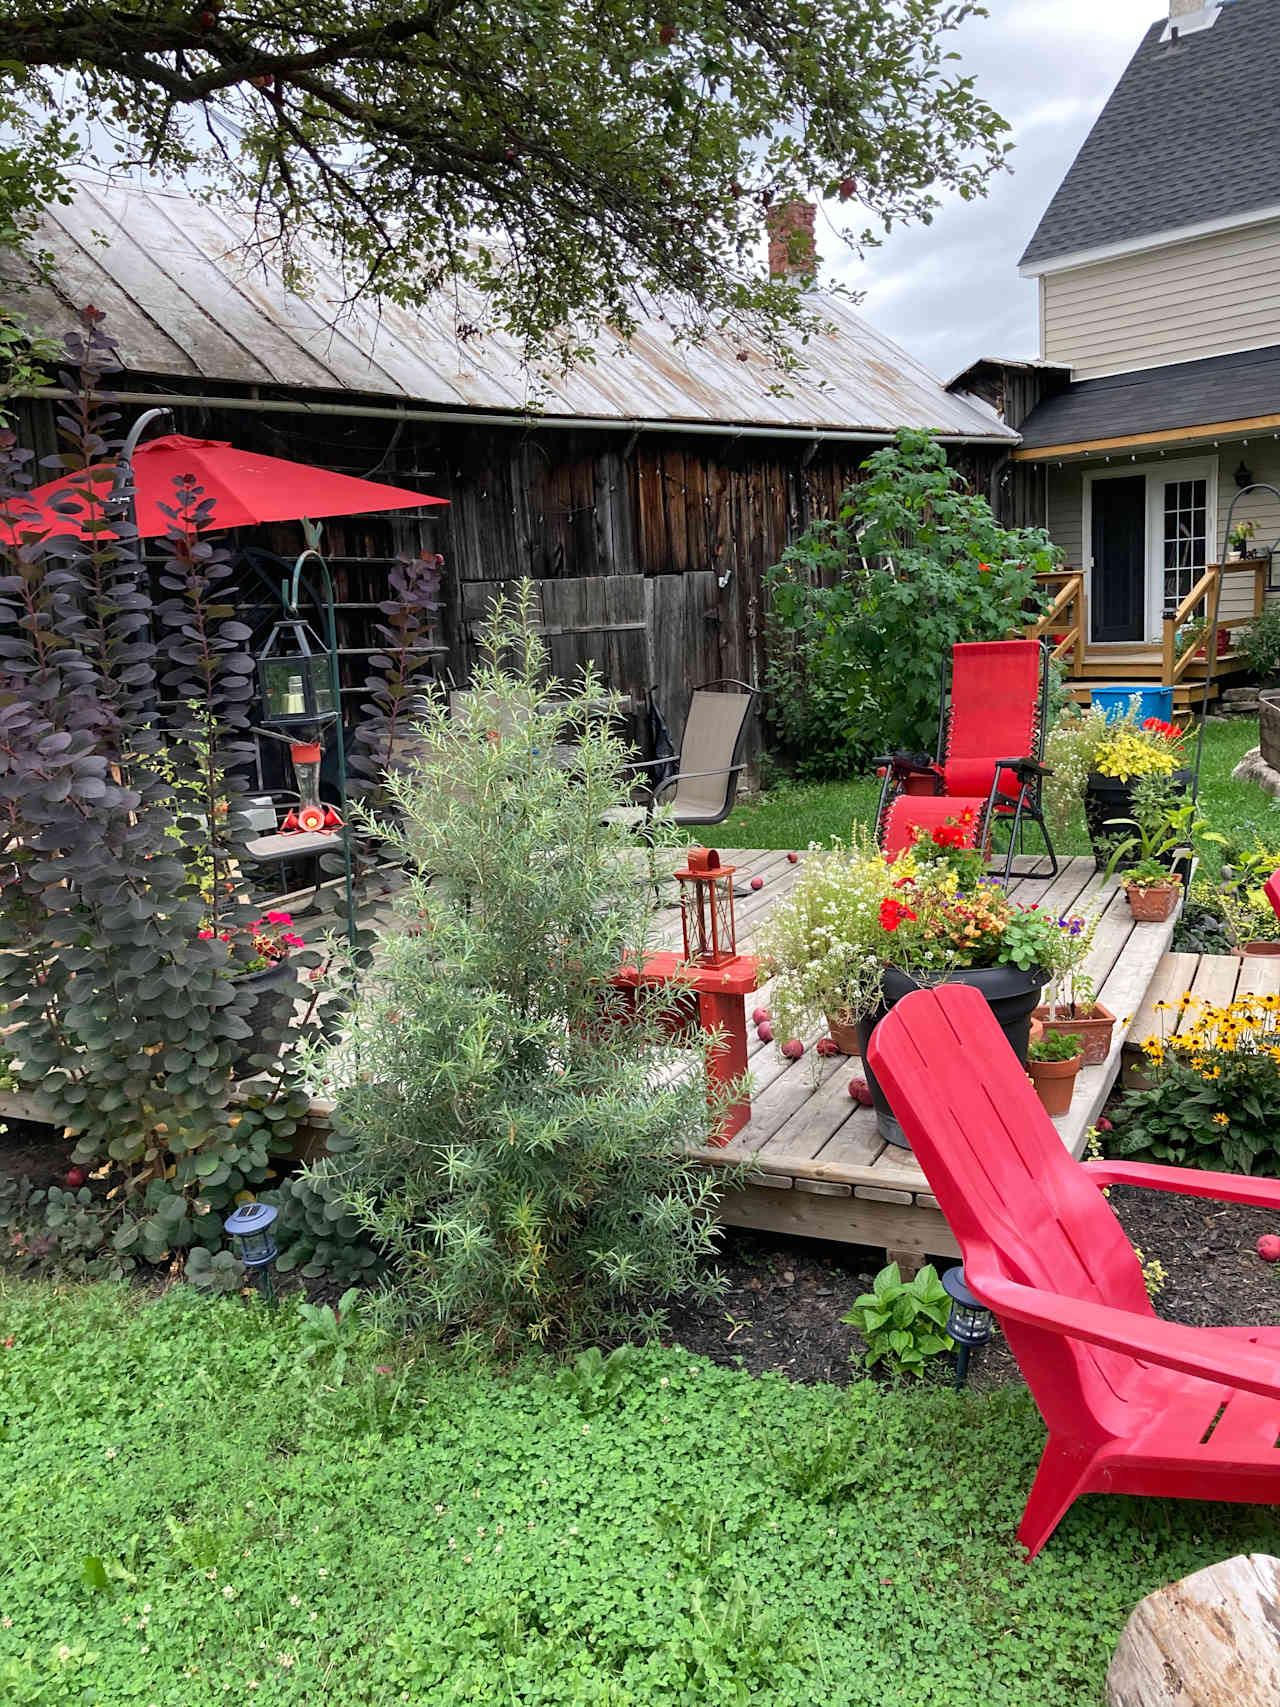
(863,610)
(1055,1046)
(509,1134)
(904,1322)
(1260,642)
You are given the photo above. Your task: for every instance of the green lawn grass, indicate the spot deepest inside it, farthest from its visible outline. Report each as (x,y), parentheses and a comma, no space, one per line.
(791,814)
(193,1513)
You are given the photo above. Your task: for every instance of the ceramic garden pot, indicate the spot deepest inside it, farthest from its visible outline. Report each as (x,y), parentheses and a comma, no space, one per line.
(1011,994)
(1261,949)
(1055,1081)
(272,1009)
(1153,905)
(1092,1025)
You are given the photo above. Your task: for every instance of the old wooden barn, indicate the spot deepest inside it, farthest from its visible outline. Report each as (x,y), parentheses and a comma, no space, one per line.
(645,493)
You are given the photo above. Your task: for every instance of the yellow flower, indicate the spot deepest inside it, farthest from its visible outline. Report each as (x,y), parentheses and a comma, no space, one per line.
(1221,1119)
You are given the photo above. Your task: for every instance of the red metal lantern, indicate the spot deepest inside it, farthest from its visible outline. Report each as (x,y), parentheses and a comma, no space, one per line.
(706,909)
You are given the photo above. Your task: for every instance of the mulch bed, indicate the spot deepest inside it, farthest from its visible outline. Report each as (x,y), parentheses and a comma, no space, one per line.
(786,1296)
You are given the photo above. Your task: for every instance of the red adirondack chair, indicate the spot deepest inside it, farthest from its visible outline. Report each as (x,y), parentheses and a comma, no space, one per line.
(991,732)
(1272,887)
(1133,1404)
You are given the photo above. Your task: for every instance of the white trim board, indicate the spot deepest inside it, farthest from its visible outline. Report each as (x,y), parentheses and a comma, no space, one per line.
(1157,474)
(1151,240)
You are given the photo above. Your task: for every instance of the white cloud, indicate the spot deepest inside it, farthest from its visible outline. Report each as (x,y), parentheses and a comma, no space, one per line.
(950,291)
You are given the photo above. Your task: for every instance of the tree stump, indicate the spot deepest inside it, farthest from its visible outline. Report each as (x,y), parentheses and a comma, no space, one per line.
(1211,1640)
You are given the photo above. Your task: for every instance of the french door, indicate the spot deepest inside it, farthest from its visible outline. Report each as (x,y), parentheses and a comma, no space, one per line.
(1149,532)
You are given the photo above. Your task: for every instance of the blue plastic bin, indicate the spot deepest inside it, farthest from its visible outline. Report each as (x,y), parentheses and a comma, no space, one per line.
(1152,702)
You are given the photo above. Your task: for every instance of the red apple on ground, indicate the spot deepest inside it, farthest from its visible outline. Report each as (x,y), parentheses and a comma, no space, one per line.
(764,1031)
(860,1091)
(1269,1247)
(759,1016)
(757,882)
(826,1046)
(74,1178)
(793,859)
(793,1049)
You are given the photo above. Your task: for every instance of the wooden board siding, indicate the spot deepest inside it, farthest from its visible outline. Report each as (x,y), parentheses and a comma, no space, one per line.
(1205,297)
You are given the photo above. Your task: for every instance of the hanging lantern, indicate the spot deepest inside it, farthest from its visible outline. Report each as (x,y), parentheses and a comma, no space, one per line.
(970,1323)
(706,909)
(250,1226)
(294,676)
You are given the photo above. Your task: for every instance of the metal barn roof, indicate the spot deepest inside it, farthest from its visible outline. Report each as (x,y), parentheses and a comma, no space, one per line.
(185,297)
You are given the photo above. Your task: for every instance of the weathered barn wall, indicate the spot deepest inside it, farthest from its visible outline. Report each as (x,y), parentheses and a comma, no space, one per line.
(649,549)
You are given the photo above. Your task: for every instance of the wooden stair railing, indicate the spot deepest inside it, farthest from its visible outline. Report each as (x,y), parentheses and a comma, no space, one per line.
(1206,594)
(1069,599)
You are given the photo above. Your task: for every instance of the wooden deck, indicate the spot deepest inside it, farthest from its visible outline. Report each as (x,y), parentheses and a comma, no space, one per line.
(1216,978)
(819,1166)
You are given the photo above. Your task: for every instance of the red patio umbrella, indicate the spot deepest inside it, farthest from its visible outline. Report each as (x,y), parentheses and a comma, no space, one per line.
(245,488)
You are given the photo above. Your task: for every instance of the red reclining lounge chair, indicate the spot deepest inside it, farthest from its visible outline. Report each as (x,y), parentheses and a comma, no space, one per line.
(1133,1404)
(991,735)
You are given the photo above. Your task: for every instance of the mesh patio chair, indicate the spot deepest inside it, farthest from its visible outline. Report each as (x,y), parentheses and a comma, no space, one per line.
(989,770)
(703,789)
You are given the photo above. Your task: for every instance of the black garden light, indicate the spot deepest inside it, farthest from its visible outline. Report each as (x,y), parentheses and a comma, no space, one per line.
(295,676)
(970,1323)
(251,1227)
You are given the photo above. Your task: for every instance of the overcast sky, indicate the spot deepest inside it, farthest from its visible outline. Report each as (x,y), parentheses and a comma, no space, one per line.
(950,292)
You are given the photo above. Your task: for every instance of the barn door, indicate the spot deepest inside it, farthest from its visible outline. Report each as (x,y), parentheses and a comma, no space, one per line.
(684,627)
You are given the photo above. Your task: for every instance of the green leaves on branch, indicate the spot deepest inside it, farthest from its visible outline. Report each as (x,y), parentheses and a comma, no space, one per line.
(564,159)
(864,609)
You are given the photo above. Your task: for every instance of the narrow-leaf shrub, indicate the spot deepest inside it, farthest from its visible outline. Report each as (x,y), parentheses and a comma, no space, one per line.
(509,1129)
(864,609)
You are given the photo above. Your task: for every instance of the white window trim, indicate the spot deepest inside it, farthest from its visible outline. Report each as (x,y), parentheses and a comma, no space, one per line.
(1156,474)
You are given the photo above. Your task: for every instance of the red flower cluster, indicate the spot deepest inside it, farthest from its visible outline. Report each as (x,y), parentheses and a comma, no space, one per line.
(892,914)
(1157,726)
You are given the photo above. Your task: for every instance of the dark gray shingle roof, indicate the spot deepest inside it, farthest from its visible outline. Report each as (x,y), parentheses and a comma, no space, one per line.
(1191,133)
(1237,387)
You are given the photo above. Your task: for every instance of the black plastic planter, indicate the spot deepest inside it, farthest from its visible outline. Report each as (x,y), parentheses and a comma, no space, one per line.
(1105,798)
(1011,994)
(274,989)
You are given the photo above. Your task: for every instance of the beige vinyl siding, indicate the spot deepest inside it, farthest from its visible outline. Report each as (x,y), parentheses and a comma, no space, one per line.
(1066,500)
(1173,304)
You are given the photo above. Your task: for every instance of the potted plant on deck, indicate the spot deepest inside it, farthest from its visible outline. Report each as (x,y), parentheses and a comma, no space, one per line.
(260,951)
(1053,1060)
(1072,1008)
(859,931)
(1164,826)
(1100,764)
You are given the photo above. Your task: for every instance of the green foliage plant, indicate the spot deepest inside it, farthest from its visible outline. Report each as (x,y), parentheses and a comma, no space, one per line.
(904,1322)
(1165,825)
(539,167)
(864,608)
(1260,642)
(875,1521)
(1055,1046)
(510,1131)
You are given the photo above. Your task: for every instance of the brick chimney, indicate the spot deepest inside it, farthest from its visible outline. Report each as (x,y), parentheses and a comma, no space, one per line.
(792,251)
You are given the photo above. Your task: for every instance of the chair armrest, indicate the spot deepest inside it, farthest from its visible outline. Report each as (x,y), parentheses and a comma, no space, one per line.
(644,764)
(1188,1182)
(904,764)
(1192,1351)
(671,781)
(1024,763)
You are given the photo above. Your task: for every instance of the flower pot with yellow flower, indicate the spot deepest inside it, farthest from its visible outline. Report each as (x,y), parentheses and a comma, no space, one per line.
(859,931)
(1099,764)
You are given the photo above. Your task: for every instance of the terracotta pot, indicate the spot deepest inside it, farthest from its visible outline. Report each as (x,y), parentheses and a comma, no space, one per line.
(844,1034)
(1260,949)
(1154,905)
(1092,1027)
(1055,1081)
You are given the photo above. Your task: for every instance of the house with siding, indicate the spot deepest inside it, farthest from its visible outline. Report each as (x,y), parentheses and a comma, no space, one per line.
(1156,395)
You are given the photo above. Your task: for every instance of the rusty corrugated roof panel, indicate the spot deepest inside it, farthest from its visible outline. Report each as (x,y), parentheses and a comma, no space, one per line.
(186,296)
